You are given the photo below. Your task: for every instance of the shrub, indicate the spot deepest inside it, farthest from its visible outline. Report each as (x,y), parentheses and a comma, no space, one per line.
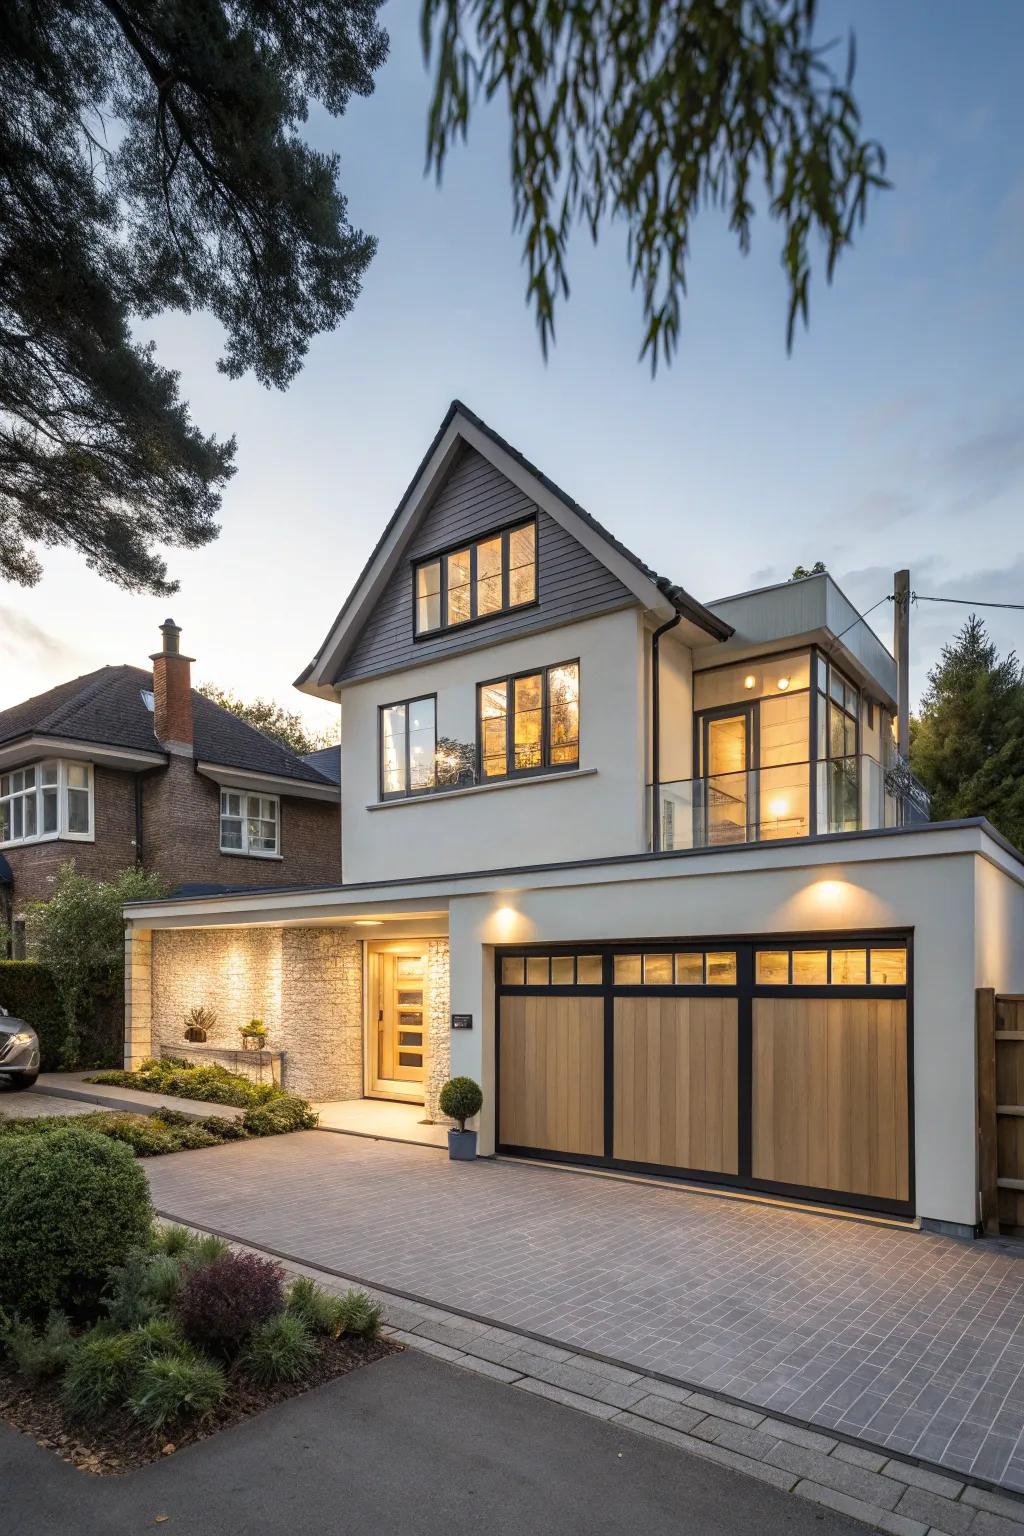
(206,1247)
(38,1355)
(179,1079)
(101,1370)
(27,991)
(221,1303)
(460,1099)
(173,1386)
(279,1116)
(362,1316)
(72,1205)
(144,1286)
(318,1309)
(162,1336)
(147,1135)
(174,1240)
(281,1349)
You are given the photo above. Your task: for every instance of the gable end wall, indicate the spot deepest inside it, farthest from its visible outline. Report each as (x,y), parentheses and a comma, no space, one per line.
(475,499)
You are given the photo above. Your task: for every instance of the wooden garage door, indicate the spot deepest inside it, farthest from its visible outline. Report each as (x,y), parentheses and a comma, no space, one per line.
(830,1096)
(551,1064)
(675,1082)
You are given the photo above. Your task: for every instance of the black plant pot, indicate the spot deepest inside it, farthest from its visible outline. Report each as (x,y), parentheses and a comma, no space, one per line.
(461,1146)
(196,1036)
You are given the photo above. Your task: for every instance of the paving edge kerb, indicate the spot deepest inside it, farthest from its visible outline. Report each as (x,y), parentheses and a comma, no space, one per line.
(852,1477)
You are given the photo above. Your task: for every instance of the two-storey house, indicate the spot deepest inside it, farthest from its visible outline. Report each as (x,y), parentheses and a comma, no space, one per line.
(652,870)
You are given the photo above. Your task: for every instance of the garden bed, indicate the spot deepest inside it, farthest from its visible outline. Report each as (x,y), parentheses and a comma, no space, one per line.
(118,1443)
(147,1135)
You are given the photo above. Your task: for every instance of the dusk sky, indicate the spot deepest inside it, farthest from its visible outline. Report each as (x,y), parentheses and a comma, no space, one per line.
(893,435)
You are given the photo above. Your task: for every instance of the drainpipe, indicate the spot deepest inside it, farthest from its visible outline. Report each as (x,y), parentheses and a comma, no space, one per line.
(656,729)
(138,819)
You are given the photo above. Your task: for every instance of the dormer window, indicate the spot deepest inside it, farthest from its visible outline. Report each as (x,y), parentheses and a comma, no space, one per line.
(477,580)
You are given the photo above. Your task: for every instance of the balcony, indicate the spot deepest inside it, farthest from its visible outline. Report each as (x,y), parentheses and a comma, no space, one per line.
(844,794)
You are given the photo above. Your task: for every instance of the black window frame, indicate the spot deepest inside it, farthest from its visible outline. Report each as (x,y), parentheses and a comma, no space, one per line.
(441,556)
(545,766)
(408,793)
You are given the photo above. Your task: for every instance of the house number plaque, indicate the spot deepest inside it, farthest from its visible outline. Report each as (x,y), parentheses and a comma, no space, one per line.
(462,1021)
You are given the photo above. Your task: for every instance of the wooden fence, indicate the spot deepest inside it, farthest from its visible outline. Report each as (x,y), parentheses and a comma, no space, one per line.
(1000,1041)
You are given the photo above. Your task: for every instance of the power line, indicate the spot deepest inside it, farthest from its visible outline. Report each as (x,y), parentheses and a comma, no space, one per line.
(888,598)
(917,597)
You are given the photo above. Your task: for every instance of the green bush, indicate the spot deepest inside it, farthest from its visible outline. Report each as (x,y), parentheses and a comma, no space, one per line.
(363,1317)
(281,1349)
(179,1079)
(38,1354)
(101,1370)
(318,1309)
(460,1099)
(72,1205)
(27,991)
(179,1385)
(279,1116)
(147,1135)
(145,1286)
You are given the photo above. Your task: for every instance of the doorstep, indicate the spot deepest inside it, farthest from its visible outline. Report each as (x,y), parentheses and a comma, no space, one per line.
(73,1085)
(381,1120)
(903,1496)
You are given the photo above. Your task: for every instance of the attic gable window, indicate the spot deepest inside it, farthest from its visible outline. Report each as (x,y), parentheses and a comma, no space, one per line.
(476,581)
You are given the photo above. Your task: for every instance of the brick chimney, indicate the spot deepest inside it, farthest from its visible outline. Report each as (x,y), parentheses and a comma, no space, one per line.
(172,692)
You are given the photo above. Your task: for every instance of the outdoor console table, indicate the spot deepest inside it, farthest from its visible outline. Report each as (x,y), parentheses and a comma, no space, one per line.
(260,1066)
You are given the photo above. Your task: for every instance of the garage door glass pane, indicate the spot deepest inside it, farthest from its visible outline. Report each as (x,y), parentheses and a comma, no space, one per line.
(689,970)
(849,967)
(537,974)
(888,967)
(513,971)
(589,970)
(721,970)
(772,968)
(810,967)
(562,969)
(627,970)
(658,970)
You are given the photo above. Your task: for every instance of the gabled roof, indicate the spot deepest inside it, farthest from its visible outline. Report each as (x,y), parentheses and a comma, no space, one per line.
(461,425)
(106,708)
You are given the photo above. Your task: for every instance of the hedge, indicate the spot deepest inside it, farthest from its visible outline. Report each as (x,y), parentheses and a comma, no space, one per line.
(28,992)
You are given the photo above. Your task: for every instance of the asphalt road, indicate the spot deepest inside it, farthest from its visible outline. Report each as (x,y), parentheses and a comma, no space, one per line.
(410,1446)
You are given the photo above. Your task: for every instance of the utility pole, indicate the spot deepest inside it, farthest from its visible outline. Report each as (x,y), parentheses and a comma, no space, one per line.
(901,650)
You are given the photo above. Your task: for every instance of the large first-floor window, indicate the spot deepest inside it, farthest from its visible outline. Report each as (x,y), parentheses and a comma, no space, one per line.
(249,823)
(46,800)
(408,747)
(530,722)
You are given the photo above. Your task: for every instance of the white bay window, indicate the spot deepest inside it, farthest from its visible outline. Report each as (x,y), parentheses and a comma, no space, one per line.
(249,823)
(45,801)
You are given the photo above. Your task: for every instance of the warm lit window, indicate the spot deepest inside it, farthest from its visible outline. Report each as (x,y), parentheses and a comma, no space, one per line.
(552,970)
(46,800)
(692,969)
(408,747)
(837,967)
(531,722)
(478,580)
(249,823)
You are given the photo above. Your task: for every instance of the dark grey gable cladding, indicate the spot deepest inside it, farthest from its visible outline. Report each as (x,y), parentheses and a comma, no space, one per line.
(475,499)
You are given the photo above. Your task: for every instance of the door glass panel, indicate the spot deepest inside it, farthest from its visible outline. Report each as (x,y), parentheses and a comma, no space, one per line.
(627,971)
(888,967)
(657,970)
(513,971)
(689,970)
(562,970)
(537,974)
(725,770)
(810,967)
(589,970)
(849,967)
(410,1059)
(772,968)
(410,1037)
(721,970)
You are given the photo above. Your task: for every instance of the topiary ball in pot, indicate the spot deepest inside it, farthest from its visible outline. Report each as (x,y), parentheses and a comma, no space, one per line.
(72,1205)
(460,1099)
(220,1304)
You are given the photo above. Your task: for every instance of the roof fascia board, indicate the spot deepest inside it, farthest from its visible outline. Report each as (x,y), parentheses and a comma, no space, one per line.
(275,784)
(30,748)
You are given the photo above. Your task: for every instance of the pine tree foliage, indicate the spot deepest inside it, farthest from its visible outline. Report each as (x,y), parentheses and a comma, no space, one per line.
(281,724)
(967,746)
(151,158)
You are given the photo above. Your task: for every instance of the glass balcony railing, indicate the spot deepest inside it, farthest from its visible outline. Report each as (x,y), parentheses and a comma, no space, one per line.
(845,794)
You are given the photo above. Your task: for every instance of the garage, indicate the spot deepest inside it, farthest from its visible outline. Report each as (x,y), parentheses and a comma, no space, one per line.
(781,1065)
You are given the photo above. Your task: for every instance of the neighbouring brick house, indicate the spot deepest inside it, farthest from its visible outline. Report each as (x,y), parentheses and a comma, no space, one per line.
(124,766)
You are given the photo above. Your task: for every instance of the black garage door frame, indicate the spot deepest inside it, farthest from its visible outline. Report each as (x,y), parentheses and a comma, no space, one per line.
(745,991)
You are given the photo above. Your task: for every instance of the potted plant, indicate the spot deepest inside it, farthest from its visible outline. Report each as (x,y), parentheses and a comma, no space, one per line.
(460,1100)
(198,1022)
(254,1035)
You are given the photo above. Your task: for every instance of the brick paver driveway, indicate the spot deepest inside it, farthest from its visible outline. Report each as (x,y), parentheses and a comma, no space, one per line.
(911,1341)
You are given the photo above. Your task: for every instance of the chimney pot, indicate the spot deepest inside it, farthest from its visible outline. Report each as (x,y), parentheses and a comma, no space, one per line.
(170,632)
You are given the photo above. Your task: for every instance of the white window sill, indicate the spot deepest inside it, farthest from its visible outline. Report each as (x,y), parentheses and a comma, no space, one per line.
(243,853)
(481,789)
(48,837)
